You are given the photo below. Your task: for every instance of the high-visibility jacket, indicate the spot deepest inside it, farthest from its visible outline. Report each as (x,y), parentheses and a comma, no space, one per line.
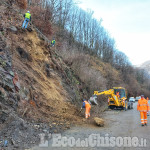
(28,15)
(118,95)
(53,42)
(86,104)
(142,105)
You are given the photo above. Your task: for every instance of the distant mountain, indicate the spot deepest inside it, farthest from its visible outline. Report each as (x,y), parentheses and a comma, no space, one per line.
(146,66)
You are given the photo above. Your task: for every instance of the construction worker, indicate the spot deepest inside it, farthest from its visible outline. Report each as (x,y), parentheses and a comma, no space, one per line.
(53,42)
(118,95)
(27,17)
(87,107)
(143,108)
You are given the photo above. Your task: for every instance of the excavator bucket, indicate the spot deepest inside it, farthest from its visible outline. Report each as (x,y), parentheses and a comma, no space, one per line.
(93,100)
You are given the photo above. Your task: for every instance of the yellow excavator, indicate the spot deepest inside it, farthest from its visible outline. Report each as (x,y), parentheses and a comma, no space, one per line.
(117,98)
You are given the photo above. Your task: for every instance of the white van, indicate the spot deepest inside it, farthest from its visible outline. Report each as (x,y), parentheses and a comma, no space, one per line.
(131,99)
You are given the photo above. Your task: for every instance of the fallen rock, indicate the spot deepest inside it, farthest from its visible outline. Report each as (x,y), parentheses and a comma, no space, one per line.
(1,50)
(54,123)
(13,29)
(36,126)
(3,117)
(99,121)
(30,29)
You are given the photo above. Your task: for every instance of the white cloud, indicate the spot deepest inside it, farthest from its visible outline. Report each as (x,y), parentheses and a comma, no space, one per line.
(135,46)
(128,21)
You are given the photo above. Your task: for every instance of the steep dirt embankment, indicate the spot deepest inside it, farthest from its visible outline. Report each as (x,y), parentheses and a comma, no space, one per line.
(47,91)
(39,76)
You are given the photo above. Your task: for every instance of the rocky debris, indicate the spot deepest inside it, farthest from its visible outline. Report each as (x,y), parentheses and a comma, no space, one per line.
(30,29)
(24,54)
(99,121)
(21,129)
(47,69)
(6,75)
(3,116)
(7,90)
(16,133)
(19,134)
(24,94)
(13,29)
(2,43)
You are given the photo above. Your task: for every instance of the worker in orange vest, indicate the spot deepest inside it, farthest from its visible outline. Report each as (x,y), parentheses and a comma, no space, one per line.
(87,107)
(143,108)
(118,95)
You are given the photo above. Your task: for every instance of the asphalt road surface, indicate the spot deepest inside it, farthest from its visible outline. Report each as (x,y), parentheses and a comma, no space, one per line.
(122,131)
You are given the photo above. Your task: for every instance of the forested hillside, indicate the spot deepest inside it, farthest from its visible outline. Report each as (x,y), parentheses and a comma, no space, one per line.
(52,81)
(81,38)
(145,66)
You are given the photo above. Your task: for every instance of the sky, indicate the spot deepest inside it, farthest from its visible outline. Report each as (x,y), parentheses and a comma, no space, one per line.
(128,22)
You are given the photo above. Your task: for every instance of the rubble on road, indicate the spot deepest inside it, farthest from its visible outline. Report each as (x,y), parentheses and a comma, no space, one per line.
(99,121)
(16,132)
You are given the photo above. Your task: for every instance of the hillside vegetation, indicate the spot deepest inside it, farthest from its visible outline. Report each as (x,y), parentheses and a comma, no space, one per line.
(145,66)
(78,33)
(48,95)
(82,41)
(54,80)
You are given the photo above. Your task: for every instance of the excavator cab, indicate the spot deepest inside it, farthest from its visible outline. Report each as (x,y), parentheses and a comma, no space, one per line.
(121,91)
(118,98)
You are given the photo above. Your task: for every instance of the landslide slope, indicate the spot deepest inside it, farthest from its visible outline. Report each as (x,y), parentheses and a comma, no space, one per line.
(48,93)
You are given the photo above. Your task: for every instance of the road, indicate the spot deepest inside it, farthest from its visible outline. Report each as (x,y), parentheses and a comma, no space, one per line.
(118,124)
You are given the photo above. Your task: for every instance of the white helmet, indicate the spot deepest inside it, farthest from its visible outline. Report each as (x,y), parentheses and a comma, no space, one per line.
(28,11)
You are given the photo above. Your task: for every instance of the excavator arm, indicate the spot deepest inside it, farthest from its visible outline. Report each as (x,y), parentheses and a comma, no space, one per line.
(113,98)
(93,99)
(114,101)
(108,92)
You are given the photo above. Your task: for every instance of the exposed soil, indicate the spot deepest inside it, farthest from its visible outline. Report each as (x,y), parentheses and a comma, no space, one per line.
(117,124)
(43,101)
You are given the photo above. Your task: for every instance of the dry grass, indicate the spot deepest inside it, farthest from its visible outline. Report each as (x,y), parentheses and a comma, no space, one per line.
(22,3)
(42,21)
(94,73)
